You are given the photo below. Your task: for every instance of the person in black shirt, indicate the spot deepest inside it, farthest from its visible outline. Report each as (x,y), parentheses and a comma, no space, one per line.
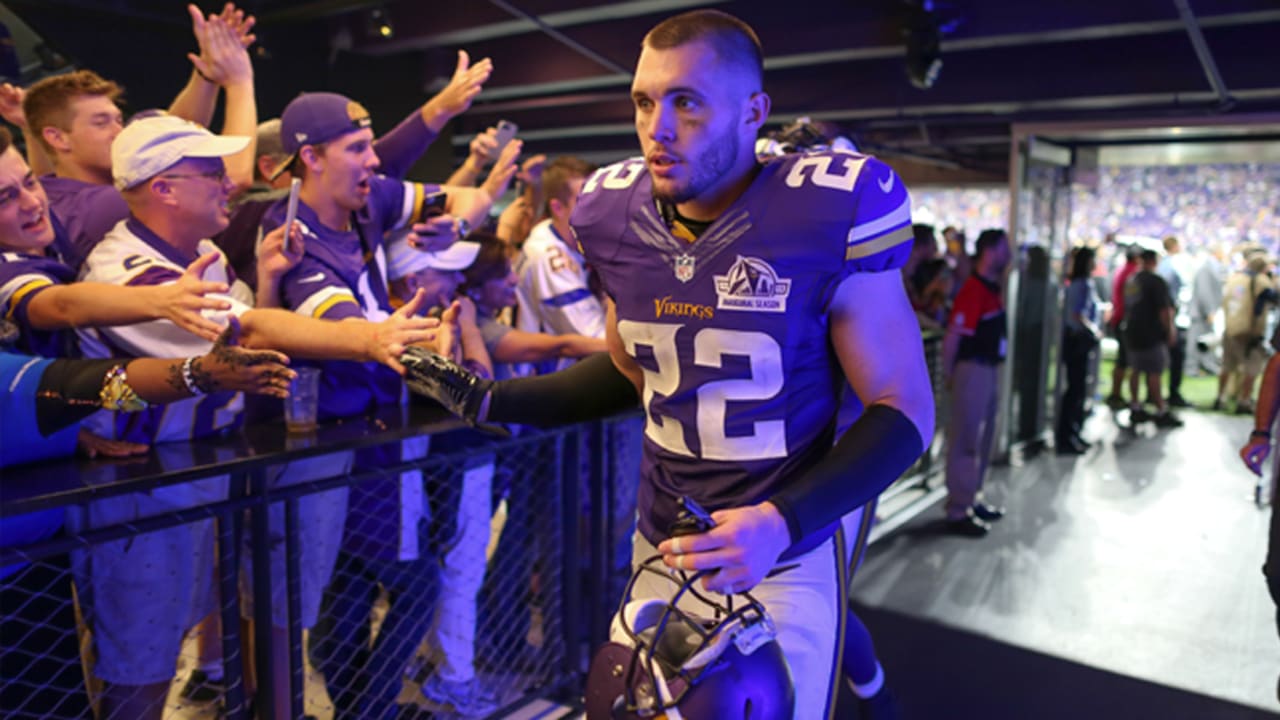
(1148,333)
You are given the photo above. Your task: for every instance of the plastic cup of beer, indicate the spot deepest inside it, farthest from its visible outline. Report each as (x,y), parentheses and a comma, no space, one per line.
(304,399)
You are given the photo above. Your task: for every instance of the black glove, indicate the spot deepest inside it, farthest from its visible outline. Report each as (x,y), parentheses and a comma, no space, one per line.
(457,389)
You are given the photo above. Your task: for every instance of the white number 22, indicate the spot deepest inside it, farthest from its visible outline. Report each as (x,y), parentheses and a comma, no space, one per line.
(768,438)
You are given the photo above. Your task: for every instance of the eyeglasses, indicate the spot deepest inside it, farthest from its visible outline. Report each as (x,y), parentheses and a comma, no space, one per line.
(218,176)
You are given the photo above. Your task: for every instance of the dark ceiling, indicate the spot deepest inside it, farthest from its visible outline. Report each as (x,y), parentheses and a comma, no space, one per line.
(562,67)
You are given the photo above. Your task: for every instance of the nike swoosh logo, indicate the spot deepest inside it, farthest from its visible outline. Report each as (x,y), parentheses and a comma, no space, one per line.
(886,184)
(311,278)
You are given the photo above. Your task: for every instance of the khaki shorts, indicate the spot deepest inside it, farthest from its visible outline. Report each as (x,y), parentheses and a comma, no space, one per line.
(1243,353)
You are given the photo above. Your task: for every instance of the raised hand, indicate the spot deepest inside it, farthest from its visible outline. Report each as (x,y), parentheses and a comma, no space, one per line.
(504,170)
(434,235)
(456,97)
(742,548)
(240,23)
(483,146)
(11,97)
(223,59)
(277,257)
(184,301)
(530,172)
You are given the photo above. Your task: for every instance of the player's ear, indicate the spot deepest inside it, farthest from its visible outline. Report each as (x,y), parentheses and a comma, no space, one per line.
(556,207)
(55,137)
(758,106)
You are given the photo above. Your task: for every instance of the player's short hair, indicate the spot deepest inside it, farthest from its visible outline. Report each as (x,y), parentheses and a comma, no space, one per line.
(1170,242)
(733,41)
(557,176)
(493,261)
(48,102)
(990,239)
(6,139)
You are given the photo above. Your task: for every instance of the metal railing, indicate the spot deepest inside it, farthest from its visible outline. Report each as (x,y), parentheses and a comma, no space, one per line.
(461,579)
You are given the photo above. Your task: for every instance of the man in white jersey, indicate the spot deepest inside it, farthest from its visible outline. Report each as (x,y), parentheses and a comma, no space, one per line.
(144,592)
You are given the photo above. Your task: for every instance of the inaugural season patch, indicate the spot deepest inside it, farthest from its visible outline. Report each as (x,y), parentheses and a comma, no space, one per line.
(752,284)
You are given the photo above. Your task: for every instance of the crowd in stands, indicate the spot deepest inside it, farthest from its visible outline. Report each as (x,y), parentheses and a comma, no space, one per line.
(126,238)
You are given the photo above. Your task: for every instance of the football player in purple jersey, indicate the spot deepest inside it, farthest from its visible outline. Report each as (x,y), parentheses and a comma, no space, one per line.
(741,297)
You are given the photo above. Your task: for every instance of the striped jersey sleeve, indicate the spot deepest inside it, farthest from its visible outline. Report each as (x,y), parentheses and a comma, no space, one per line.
(880,237)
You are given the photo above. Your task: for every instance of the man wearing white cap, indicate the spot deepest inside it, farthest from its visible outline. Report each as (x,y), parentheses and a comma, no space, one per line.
(171,173)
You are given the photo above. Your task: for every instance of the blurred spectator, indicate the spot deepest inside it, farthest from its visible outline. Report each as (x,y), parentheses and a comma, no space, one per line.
(1206,301)
(553,291)
(1147,333)
(490,283)
(932,283)
(1081,335)
(1116,321)
(1245,300)
(1175,270)
(924,248)
(957,253)
(972,351)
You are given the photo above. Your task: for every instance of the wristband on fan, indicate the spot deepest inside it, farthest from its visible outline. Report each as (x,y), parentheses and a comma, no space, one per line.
(188,378)
(1265,434)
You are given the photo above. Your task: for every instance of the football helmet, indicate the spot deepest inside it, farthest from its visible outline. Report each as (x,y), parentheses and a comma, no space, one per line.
(663,662)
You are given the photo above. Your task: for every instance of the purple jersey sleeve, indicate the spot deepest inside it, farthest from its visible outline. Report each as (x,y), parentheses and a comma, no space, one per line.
(399,149)
(881,236)
(22,278)
(315,290)
(85,212)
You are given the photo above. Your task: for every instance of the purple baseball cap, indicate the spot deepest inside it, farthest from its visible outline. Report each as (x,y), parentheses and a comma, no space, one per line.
(313,118)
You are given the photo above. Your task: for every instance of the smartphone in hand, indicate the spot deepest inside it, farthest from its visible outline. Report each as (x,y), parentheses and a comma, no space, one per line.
(506,133)
(291,214)
(432,206)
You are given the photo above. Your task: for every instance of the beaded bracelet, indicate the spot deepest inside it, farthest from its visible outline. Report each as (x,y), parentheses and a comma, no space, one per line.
(189,379)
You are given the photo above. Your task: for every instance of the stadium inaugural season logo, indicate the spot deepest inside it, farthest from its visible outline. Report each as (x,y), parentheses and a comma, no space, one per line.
(752,284)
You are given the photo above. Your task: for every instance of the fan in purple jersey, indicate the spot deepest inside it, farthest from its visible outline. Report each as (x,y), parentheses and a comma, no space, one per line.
(742,296)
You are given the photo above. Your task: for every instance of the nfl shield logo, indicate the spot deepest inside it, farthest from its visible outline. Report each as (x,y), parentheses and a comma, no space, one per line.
(684,267)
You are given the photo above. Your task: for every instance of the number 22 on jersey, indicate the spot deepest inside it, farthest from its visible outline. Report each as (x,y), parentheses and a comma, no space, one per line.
(768,438)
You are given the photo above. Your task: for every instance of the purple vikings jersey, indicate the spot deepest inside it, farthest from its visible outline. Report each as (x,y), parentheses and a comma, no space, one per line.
(22,277)
(741,383)
(343,275)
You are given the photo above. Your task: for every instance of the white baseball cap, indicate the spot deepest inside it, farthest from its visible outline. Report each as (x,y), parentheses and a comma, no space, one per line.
(148,147)
(404,260)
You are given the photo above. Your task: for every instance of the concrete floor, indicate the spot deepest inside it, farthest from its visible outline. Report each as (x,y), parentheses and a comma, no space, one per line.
(1138,560)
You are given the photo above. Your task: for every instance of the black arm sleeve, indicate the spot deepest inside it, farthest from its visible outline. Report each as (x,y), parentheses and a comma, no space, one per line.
(590,389)
(873,452)
(72,379)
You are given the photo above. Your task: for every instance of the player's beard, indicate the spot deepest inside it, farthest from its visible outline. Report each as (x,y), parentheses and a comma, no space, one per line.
(705,170)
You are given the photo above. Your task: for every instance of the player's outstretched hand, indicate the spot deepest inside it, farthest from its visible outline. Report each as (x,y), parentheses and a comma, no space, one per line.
(1254,454)
(183,301)
(388,339)
(458,390)
(742,548)
(229,367)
